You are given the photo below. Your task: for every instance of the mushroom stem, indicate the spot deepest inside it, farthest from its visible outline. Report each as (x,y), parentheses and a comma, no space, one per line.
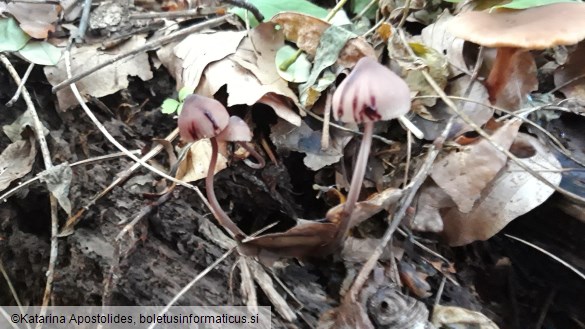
(260,163)
(411,127)
(499,74)
(218,212)
(357,179)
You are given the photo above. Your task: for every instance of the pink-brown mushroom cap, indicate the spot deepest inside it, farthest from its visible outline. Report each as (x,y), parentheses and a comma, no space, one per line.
(237,130)
(534,28)
(201,117)
(371,92)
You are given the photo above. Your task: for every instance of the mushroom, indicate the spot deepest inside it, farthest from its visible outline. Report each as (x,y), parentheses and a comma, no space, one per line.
(512,31)
(203,117)
(370,93)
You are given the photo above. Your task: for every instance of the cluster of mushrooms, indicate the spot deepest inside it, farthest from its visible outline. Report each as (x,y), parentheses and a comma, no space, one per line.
(370,93)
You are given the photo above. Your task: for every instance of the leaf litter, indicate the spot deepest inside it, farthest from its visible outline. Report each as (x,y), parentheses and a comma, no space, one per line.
(471,192)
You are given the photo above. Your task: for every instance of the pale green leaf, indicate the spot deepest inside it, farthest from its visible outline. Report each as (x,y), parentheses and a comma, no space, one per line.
(269,8)
(40,52)
(169,106)
(299,70)
(12,37)
(184,92)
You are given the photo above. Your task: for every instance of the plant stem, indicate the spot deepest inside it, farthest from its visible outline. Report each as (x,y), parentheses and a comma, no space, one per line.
(223,219)
(357,179)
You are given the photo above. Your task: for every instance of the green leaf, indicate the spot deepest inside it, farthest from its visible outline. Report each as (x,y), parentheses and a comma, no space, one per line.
(184,92)
(524,4)
(298,71)
(40,52)
(170,106)
(269,8)
(12,37)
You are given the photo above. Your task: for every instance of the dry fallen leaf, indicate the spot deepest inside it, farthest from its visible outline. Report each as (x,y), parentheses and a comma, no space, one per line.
(306,32)
(16,161)
(512,193)
(464,174)
(574,68)
(196,163)
(105,81)
(58,180)
(431,199)
(438,37)
(461,318)
(36,19)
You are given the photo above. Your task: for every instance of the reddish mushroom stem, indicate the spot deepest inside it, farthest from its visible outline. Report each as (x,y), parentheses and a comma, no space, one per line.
(499,74)
(260,162)
(357,179)
(223,219)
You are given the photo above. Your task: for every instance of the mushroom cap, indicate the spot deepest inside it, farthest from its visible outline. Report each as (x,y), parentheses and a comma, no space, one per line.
(237,130)
(201,117)
(371,92)
(534,28)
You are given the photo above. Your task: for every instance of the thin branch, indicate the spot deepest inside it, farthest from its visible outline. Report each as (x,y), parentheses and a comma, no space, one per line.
(20,86)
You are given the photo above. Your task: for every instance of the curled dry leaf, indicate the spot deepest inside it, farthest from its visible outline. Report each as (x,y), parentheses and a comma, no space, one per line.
(194,57)
(452,316)
(306,32)
(196,163)
(438,37)
(463,175)
(244,62)
(16,161)
(36,19)
(573,69)
(105,81)
(58,180)
(431,199)
(512,193)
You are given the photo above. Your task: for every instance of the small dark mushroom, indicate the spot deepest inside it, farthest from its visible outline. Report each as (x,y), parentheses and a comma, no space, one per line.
(370,93)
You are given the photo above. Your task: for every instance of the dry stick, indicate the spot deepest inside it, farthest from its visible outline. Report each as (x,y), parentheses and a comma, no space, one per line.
(475,72)
(38,127)
(151,45)
(73,220)
(248,6)
(197,12)
(12,291)
(20,86)
(404,13)
(5,196)
(365,10)
(84,21)
(326,120)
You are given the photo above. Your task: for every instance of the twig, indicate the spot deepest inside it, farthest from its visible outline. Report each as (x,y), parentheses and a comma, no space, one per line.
(405,11)
(566,83)
(5,196)
(84,21)
(475,71)
(38,127)
(38,2)
(365,10)
(20,86)
(559,260)
(545,308)
(326,121)
(197,12)
(12,290)
(408,155)
(151,45)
